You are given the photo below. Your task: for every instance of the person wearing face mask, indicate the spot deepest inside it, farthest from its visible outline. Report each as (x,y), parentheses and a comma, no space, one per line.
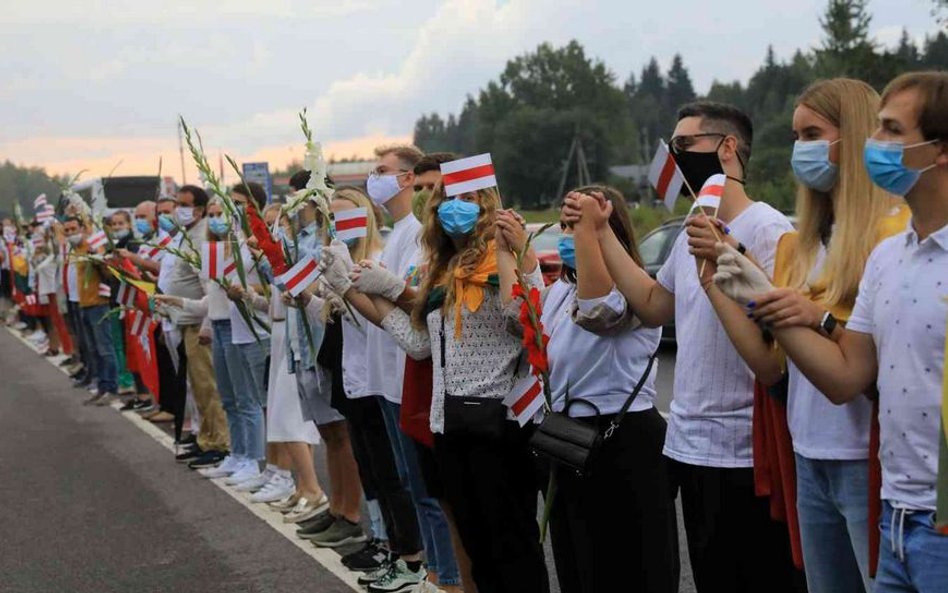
(842,217)
(119,227)
(709,438)
(93,308)
(598,353)
(184,281)
(894,338)
(460,319)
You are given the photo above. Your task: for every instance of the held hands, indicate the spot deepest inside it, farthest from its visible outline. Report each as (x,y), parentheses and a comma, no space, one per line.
(586,210)
(786,307)
(371,278)
(510,231)
(204,336)
(235,292)
(336,264)
(738,277)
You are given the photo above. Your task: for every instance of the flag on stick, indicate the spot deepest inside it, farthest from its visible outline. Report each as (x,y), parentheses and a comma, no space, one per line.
(97,240)
(665,176)
(352,224)
(45,215)
(299,276)
(710,195)
(213,260)
(39,204)
(525,399)
(105,290)
(126,295)
(467,175)
(156,252)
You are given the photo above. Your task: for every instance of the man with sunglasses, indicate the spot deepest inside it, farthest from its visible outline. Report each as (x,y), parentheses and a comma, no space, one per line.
(732,542)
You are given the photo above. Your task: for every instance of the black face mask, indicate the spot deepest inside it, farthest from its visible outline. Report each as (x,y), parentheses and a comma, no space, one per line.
(697,167)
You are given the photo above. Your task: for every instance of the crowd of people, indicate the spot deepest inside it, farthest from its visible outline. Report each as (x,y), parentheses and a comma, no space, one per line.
(804,431)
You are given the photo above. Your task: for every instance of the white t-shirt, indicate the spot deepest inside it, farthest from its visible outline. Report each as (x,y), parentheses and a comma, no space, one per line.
(385,361)
(354,353)
(820,429)
(72,277)
(165,272)
(240,332)
(712,407)
(600,369)
(902,304)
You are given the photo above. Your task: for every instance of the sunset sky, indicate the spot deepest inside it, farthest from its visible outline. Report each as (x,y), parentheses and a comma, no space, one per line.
(84,85)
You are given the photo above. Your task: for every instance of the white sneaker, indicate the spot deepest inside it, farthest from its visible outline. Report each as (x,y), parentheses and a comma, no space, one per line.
(19,325)
(255,483)
(37,337)
(224,469)
(427,587)
(306,509)
(277,489)
(249,469)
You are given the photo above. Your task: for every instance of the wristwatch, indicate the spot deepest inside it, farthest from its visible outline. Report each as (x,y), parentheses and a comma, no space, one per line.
(828,324)
(741,248)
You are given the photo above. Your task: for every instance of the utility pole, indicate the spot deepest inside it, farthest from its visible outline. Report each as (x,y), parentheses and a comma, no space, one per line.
(184,177)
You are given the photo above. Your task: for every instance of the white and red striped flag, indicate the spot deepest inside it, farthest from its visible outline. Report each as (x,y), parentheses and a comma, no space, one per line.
(352,224)
(126,295)
(45,215)
(142,323)
(97,240)
(665,176)
(525,399)
(156,251)
(105,290)
(30,299)
(467,175)
(297,278)
(709,197)
(39,204)
(38,241)
(213,260)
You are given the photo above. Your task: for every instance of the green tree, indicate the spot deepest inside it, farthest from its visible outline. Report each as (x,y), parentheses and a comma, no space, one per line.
(679,89)
(24,184)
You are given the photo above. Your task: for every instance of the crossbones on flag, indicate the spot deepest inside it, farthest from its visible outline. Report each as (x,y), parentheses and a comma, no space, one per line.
(467,175)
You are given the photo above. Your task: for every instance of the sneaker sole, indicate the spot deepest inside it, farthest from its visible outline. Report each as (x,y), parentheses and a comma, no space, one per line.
(403,589)
(349,540)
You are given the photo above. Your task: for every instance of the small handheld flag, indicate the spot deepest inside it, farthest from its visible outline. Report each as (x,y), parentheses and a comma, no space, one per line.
(126,295)
(297,278)
(98,240)
(525,399)
(467,175)
(39,204)
(352,224)
(711,192)
(213,260)
(665,176)
(105,290)
(155,252)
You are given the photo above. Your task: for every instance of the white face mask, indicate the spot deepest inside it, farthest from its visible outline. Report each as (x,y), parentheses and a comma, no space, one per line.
(185,215)
(74,240)
(382,188)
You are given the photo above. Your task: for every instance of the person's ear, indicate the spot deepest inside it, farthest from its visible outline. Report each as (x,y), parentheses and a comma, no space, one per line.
(409,179)
(941,157)
(728,149)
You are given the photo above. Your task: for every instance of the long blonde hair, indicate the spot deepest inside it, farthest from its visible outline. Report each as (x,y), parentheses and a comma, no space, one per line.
(372,242)
(854,205)
(442,257)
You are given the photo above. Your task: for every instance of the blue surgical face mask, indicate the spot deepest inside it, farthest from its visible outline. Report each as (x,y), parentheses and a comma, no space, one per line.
(144,227)
(812,166)
(567,249)
(884,164)
(166,222)
(458,217)
(218,225)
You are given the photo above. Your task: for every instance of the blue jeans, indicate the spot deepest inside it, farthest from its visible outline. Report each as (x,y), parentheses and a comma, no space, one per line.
(435,533)
(833,508)
(241,403)
(254,357)
(913,556)
(98,333)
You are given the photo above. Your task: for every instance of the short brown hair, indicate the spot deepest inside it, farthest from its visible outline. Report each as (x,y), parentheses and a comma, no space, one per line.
(252,191)
(408,154)
(932,88)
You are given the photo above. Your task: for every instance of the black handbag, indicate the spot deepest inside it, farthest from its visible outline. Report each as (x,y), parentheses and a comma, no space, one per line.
(476,417)
(573,444)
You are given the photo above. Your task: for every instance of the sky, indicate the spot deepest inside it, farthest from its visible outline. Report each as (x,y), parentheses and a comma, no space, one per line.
(90,85)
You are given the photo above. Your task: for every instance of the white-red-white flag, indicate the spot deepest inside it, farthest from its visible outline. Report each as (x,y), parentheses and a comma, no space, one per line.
(213,260)
(352,224)
(45,215)
(39,204)
(467,175)
(710,195)
(525,399)
(665,176)
(142,323)
(297,278)
(156,251)
(30,299)
(97,240)
(105,290)
(126,295)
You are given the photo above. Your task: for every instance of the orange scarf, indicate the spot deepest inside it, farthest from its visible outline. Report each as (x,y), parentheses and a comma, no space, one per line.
(469,285)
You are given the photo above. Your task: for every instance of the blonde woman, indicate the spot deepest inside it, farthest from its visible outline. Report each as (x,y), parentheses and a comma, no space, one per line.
(842,217)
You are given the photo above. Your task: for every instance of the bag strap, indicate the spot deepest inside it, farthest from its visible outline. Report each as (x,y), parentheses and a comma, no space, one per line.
(628,402)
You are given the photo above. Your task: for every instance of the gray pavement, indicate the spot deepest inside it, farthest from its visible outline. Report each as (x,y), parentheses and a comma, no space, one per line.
(88,502)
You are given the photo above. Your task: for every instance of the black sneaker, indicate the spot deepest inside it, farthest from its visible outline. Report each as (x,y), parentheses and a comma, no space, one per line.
(82,381)
(190,439)
(129,405)
(207,459)
(68,362)
(318,524)
(369,559)
(145,404)
(189,454)
(342,533)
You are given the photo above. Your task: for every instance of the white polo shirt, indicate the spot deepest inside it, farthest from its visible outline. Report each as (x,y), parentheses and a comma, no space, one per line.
(901,303)
(713,403)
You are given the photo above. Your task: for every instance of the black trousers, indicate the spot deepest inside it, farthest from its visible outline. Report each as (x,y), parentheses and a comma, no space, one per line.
(615,529)
(74,323)
(172,383)
(373,453)
(733,543)
(492,490)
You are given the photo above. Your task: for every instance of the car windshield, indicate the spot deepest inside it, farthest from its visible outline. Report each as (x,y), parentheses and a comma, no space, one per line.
(652,247)
(548,240)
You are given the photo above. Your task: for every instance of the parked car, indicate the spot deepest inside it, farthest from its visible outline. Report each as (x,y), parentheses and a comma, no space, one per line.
(545,246)
(654,249)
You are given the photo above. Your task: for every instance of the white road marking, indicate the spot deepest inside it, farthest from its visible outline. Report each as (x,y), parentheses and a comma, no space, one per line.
(328,559)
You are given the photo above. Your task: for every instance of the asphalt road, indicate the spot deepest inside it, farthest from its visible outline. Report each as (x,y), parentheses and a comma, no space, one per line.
(91,503)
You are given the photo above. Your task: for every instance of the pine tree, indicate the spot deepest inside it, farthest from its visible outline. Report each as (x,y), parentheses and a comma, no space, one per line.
(679,89)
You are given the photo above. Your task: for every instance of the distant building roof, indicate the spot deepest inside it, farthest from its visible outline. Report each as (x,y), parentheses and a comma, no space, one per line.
(635,172)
